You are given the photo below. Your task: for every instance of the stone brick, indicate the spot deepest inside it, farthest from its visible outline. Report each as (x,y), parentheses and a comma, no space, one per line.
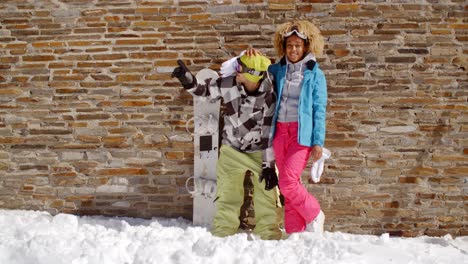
(390,173)
(341,143)
(435,128)
(50,132)
(12,140)
(417,100)
(72,155)
(39,58)
(57,204)
(43,197)
(398,129)
(113,189)
(12,92)
(400,59)
(457,171)
(423,171)
(410,180)
(92,116)
(122,171)
(115,142)
(376,163)
(128,78)
(33,167)
(110,57)
(190,10)
(449,158)
(136,103)
(446,180)
(4,166)
(281,5)
(79,198)
(347,7)
(137,42)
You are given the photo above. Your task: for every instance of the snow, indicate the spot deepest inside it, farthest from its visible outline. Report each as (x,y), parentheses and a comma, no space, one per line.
(38,237)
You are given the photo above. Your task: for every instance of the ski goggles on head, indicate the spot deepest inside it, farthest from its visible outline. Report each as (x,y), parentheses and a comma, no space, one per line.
(242,68)
(295,30)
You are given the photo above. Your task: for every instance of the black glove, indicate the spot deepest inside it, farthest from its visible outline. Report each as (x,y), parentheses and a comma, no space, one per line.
(271,180)
(184,75)
(281,196)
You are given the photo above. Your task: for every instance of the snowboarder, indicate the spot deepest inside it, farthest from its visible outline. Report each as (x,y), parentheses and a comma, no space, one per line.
(249,100)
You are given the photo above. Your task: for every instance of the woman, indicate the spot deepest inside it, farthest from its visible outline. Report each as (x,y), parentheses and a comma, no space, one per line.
(300,119)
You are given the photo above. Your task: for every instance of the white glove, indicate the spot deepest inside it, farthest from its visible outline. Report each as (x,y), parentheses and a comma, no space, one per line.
(317,167)
(228,67)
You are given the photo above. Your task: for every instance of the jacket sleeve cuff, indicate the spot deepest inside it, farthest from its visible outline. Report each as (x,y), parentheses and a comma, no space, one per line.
(268,158)
(318,143)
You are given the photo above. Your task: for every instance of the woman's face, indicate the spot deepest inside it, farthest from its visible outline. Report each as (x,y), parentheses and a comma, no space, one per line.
(295,48)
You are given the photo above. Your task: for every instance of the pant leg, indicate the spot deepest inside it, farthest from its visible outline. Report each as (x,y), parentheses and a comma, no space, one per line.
(230,192)
(267,207)
(281,142)
(300,206)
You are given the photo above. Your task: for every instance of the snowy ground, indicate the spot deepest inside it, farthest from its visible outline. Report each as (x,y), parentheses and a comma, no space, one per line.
(38,237)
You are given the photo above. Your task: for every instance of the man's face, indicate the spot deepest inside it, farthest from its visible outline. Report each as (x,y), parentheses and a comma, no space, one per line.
(249,85)
(240,78)
(295,48)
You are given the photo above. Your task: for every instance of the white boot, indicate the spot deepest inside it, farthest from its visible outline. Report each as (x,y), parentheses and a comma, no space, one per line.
(316,226)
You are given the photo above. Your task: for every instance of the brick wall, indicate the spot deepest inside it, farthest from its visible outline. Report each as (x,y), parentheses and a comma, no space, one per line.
(92,123)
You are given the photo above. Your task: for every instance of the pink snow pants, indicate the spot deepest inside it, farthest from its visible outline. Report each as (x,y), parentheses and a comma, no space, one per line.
(300,207)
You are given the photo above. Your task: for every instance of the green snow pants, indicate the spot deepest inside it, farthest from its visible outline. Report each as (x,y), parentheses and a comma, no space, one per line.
(231,168)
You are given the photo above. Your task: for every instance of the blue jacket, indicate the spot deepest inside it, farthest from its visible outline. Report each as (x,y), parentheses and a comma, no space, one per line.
(312,102)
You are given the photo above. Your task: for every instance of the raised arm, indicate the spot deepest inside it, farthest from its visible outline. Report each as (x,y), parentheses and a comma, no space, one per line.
(208,88)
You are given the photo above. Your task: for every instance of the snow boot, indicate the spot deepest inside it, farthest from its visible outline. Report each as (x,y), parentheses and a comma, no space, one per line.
(316,226)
